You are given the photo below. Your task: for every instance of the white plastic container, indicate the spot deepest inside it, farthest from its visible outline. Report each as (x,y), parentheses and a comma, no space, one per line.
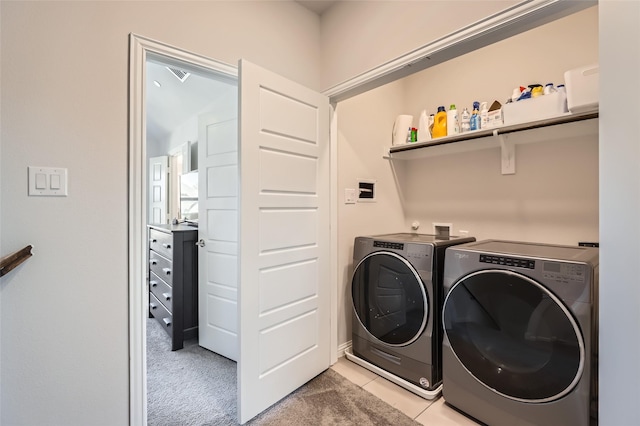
(534,109)
(582,88)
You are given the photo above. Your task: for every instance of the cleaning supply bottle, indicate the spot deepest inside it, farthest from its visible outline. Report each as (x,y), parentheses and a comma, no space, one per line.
(453,128)
(424,134)
(484,115)
(440,123)
(474,122)
(464,120)
(563,93)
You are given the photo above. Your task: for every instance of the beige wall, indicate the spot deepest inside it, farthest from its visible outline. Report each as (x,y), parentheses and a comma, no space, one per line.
(360,35)
(64,83)
(552,198)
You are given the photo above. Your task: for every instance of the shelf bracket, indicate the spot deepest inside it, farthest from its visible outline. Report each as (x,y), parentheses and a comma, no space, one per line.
(507,154)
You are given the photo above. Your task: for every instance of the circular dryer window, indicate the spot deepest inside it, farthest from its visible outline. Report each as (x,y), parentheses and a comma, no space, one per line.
(513,335)
(389,298)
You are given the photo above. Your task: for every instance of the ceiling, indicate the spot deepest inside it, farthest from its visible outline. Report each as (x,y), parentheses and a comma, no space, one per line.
(174,102)
(317,6)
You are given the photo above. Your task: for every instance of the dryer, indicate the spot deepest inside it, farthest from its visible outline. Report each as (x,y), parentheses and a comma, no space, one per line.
(397,296)
(520,333)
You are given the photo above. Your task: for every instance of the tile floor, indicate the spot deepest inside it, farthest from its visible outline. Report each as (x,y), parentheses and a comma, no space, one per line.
(427,412)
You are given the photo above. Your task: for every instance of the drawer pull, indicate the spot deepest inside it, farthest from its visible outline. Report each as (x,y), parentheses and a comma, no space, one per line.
(153,306)
(153,261)
(153,240)
(166,245)
(167,321)
(167,271)
(153,283)
(167,296)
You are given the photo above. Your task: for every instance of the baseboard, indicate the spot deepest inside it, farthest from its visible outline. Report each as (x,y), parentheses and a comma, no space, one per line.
(343,348)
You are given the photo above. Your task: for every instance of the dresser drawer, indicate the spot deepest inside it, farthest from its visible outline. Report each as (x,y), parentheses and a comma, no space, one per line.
(161,242)
(161,290)
(161,266)
(160,313)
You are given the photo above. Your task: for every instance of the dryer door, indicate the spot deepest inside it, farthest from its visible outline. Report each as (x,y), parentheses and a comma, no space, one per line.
(389,298)
(513,335)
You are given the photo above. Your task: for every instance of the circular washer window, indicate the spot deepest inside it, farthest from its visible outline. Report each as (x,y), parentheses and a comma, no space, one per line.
(389,298)
(514,336)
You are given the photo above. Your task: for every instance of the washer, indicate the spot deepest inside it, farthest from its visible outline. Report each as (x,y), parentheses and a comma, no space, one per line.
(520,333)
(397,298)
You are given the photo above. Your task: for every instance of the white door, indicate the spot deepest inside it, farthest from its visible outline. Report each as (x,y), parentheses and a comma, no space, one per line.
(218,228)
(284,283)
(158,202)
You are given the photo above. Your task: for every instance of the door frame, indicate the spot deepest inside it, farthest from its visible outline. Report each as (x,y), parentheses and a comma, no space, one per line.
(140,48)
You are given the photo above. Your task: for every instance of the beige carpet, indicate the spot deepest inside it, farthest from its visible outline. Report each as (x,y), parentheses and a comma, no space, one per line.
(194,386)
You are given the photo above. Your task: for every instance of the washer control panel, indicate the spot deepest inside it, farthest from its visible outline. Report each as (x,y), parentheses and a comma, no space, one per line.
(508,261)
(388,245)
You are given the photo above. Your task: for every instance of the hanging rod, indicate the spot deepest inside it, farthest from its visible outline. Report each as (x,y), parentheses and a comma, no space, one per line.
(8,263)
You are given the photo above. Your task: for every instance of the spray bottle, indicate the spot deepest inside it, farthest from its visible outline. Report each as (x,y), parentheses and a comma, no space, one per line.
(474,123)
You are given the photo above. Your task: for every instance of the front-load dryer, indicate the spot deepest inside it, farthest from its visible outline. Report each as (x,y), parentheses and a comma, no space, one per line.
(520,333)
(397,296)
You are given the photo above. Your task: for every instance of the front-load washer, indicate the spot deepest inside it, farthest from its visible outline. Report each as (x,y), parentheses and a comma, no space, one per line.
(397,299)
(520,333)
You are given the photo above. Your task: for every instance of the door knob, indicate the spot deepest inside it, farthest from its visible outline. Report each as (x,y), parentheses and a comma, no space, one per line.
(200,242)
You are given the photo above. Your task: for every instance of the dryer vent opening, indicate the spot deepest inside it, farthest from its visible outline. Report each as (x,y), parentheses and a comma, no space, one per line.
(366,190)
(442,230)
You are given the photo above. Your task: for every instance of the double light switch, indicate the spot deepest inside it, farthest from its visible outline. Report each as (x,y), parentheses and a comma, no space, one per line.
(47,181)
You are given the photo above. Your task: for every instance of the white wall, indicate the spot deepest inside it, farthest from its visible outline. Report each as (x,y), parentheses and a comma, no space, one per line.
(553,197)
(619,211)
(360,35)
(364,124)
(64,313)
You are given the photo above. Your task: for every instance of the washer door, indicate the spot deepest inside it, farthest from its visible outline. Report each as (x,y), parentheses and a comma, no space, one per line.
(389,298)
(514,336)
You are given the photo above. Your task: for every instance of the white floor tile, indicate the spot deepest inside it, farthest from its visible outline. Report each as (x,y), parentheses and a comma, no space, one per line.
(352,371)
(440,414)
(398,397)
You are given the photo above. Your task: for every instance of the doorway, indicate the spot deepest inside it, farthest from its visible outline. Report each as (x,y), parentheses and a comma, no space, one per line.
(185,110)
(286,181)
(170,136)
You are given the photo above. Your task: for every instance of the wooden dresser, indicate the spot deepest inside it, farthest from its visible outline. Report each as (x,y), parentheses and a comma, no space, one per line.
(173,280)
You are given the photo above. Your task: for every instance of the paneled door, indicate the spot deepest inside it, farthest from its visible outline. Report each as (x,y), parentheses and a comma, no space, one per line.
(284,280)
(218,228)
(158,200)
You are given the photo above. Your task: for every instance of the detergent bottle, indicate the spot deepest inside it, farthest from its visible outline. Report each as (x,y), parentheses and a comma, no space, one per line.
(453,128)
(424,133)
(465,118)
(484,115)
(440,123)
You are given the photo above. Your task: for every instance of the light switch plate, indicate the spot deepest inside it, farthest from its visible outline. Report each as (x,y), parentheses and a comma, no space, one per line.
(47,181)
(350,196)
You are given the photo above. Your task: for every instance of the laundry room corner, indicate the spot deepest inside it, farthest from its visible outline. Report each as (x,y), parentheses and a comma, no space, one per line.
(365,124)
